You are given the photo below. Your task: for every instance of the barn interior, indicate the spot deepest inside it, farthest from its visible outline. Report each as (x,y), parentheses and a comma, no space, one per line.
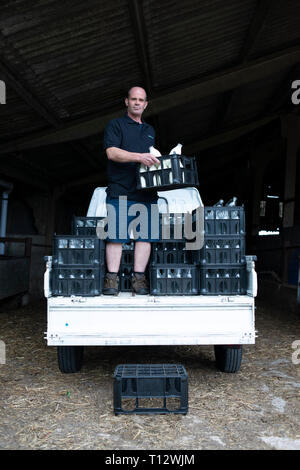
(222,79)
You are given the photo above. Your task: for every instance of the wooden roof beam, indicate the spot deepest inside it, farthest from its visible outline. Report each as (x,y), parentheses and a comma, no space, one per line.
(16,83)
(14,80)
(139,28)
(18,170)
(228,135)
(212,85)
(256,26)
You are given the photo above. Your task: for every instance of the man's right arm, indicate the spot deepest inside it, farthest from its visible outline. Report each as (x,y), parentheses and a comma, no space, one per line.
(123,156)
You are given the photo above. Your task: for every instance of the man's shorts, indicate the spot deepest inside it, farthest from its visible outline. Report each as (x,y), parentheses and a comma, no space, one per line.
(132,220)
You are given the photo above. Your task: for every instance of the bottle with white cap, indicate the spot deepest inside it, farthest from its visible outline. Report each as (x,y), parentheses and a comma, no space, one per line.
(219,203)
(232,202)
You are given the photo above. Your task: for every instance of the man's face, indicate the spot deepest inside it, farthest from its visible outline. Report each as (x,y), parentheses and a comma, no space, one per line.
(136,102)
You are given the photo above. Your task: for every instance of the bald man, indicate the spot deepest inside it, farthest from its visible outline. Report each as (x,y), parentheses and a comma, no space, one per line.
(126,141)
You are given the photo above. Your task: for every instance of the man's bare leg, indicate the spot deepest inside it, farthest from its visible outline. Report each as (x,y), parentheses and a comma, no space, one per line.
(142,252)
(113,256)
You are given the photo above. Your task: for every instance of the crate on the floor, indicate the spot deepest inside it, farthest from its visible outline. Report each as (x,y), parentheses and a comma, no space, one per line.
(224,220)
(78,250)
(77,280)
(173,171)
(223,279)
(180,279)
(85,225)
(223,249)
(137,387)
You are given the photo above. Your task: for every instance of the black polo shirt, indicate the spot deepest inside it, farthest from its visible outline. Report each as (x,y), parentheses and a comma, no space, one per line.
(127,134)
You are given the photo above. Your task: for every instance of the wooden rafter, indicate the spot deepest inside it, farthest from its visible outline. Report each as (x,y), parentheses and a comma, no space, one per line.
(212,85)
(255,29)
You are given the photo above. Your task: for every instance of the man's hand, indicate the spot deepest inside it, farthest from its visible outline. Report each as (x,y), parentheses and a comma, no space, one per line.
(122,156)
(148,159)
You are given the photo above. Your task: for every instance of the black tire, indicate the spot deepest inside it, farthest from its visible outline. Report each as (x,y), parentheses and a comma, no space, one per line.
(70,358)
(228,358)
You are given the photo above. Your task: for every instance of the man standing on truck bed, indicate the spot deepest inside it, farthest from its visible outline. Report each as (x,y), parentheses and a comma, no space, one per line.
(126,141)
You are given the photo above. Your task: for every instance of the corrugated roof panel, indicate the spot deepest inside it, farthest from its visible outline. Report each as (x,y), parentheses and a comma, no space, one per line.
(281,29)
(190,39)
(78,58)
(183,124)
(41,15)
(86,57)
(253,100)
(18,118)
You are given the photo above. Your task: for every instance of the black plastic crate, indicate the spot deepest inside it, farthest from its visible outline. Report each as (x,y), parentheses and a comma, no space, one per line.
(172,225)
(127,254)
(85,225)
(125,275)
(126,266)
(143,384)
(174,171)
(127,257)
(77,250)
(223,280)
(179,279)
(125,278)
(223,250)
(77,280)
(172,253)
(224,220)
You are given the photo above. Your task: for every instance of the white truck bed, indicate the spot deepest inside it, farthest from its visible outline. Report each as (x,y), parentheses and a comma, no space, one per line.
(150,320)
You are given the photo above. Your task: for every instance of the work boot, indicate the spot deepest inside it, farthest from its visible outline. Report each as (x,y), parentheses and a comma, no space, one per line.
(140,284)
(111,284)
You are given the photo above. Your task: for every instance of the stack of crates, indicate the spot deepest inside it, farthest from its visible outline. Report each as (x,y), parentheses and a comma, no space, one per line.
(87,226)
(78,266)
(222,268)
(78,260)
(173,269)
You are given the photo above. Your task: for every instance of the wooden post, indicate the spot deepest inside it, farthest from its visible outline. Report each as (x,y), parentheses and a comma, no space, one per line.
(291,131)
(258,181)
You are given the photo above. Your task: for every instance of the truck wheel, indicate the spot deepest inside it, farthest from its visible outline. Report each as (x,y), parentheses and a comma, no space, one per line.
(69,358)
(228,358)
